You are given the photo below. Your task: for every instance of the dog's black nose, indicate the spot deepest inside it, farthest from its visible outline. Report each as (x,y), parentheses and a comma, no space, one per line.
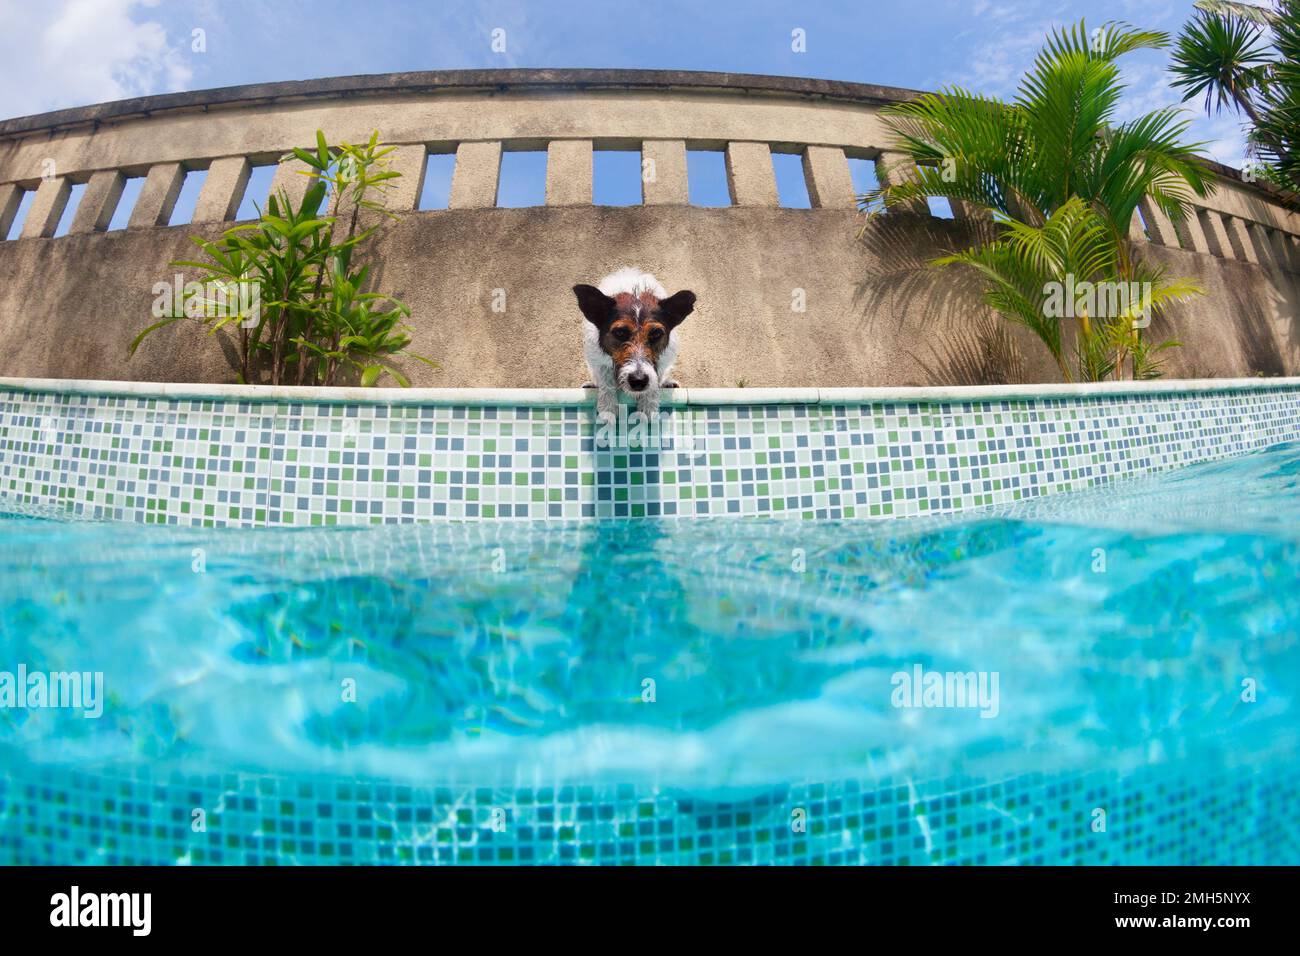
(637,382)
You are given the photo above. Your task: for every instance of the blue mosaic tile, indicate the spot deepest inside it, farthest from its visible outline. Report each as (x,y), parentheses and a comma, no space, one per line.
(1155,816)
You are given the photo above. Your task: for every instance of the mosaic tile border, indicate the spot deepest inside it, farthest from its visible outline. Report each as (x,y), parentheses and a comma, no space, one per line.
(1160,815)
(266,460)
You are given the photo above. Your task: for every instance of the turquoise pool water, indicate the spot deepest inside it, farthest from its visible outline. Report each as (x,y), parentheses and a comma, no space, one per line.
(653,691)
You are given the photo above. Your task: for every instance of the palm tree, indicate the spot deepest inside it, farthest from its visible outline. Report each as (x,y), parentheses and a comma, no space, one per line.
(1055,171)
(1247,58)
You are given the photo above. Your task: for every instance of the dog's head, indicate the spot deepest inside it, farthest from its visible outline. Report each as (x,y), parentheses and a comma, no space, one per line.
(634,330)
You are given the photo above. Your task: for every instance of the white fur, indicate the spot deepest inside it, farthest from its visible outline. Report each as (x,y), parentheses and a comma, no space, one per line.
(604,376)
(629,279)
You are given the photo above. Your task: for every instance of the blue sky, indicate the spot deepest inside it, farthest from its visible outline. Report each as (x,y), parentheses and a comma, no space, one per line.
(60,53)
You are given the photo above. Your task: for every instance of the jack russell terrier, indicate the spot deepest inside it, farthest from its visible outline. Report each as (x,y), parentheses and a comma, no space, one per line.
(630,339)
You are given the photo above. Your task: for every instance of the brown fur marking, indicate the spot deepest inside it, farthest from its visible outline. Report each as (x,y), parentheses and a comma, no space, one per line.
(636,328)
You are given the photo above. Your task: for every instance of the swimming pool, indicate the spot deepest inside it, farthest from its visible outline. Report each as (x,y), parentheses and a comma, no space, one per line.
(659,691)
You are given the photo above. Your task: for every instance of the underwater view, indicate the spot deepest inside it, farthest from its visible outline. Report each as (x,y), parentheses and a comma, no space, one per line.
(1123,662)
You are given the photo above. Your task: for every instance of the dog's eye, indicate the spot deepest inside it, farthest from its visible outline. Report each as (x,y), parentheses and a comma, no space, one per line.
(622,334)
(656,335)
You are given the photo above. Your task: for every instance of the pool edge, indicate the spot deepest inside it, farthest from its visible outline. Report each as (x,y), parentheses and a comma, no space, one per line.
(675,398)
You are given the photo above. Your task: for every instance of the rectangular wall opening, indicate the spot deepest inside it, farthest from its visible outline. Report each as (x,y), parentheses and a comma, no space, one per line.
(940,207)
(1142,221)
(438,170)
(20,216)
(126,203)
(188,199)
(256,192)
(706,178)
(70,209)
(863,174)
(616,177)
(522,180)
(791,186)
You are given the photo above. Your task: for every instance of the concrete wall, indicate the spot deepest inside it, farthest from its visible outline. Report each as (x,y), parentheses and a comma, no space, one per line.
(875,313)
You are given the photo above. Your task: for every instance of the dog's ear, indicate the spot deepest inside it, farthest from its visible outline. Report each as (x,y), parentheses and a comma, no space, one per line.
(677,307)
(595,305)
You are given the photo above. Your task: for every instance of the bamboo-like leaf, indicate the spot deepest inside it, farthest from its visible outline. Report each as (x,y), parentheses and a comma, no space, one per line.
(313,315)
(135,342)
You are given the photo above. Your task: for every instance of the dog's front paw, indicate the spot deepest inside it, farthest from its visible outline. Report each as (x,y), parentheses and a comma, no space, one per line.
(669,383)
(588,384)
(607,404)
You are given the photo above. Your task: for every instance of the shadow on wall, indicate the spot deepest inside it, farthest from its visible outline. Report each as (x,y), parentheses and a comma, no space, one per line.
(1272,327)
(984,352)
(1246,324)
(937,314)
(1288,336)
(1254,330)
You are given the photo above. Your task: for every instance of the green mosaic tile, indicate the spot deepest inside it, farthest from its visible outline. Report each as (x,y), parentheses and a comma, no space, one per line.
(207,462)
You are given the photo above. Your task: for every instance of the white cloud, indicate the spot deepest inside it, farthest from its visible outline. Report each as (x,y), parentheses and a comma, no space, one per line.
(1224,138)
(1149,89)
(64,53)
(1000,44)
(1155,14)
(997,65)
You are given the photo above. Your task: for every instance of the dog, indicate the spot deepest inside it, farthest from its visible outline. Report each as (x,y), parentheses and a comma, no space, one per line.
(630,339)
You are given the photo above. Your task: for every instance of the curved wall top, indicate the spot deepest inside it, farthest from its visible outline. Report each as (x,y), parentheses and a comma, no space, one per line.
(860,325)
(463,81)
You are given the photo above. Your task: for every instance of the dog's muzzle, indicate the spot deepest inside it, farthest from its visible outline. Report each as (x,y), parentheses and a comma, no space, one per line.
(636,376)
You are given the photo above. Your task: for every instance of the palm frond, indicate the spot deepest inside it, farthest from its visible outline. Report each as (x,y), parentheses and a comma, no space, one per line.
(1261,16)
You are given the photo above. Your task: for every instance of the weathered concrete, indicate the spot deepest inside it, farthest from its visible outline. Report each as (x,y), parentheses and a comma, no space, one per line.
(827,174)
(875,313)
(1243,242)
(474,179)
(663,177)
(11,197)
(98,202)
(222,189)
(47,207)
(481,82)
(1190,234)
(750,176)
(568,172)
(153,207)
(1216,236)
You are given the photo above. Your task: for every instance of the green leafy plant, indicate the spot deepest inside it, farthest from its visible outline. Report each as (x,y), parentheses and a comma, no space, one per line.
(1028,270)
(314,322)
(1246,58)
(1059,181)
